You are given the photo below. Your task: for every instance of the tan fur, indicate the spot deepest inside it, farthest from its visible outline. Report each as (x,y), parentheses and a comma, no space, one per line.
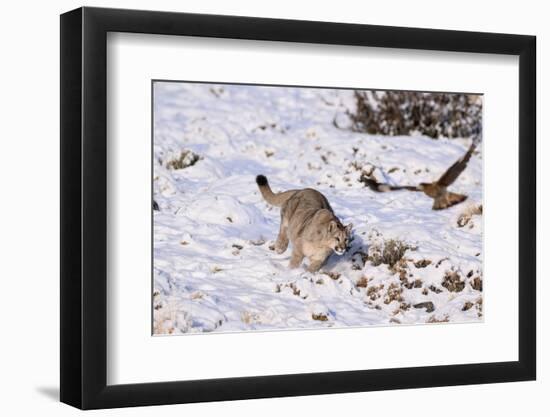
(309,223)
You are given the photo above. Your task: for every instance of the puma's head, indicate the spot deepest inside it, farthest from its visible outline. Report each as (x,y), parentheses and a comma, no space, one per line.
(339,236)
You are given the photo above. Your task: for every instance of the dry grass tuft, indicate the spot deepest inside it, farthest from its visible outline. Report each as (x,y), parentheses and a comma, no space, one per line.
(389,252)
(465,217)
(453,282)
(374,292)
(434,319)
(362,282)
(186,159)
(319,317)
(394,293)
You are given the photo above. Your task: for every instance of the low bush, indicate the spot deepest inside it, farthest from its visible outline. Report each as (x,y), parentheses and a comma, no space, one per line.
(405,112)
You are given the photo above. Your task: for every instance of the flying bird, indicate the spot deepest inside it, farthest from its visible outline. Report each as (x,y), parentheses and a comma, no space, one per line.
(437,190)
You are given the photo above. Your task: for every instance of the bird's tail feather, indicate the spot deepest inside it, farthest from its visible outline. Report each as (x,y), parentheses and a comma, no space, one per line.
(448,200)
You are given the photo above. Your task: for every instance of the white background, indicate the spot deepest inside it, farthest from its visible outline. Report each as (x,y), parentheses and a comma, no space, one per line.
(134,356)
(30,207)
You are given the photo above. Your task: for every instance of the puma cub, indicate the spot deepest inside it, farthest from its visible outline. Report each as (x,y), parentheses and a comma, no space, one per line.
(307,220)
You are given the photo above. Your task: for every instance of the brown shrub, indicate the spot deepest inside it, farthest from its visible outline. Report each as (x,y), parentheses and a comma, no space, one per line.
(389,252)
(453,282)
(394,293)
(404,112)
(362,282)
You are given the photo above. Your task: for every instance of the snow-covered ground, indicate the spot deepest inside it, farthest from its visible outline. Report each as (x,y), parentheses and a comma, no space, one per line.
(213,269)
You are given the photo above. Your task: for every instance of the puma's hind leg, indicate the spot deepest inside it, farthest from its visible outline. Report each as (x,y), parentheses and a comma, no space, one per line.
(281,244)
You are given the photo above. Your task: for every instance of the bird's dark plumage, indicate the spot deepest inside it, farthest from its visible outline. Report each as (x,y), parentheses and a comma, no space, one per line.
(456,169)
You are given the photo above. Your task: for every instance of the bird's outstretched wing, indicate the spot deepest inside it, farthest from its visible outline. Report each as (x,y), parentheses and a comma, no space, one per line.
(456,169)
(381,187)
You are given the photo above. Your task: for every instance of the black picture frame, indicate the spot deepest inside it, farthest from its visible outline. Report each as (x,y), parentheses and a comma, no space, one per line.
(84,207)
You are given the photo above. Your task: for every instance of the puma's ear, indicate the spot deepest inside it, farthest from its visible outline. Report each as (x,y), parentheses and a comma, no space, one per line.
(332,226)
(348,228)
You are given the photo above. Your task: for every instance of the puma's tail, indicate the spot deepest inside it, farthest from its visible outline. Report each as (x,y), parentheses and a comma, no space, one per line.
(276,199)
(448,200)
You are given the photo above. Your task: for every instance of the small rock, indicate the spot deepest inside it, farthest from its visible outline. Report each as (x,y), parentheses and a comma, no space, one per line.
(467,305)
(428,305)
(423,263)
(477,284)
(433,288)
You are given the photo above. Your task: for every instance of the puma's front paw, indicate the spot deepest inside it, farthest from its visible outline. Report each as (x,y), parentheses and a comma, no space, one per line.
(280,249)
(314,267)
